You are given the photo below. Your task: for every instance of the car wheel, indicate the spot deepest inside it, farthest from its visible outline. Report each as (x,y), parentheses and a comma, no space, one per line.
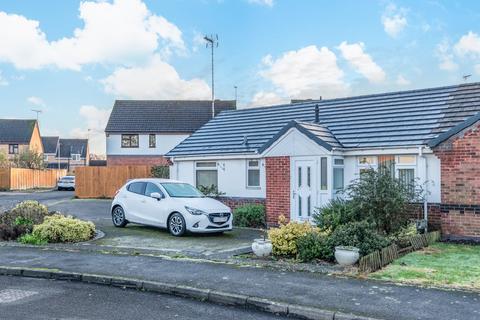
(118,217)
(176,225)
(60,189)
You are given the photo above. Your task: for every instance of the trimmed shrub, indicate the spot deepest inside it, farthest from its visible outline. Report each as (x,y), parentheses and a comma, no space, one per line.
(313,245)
(210,191)
(249,215)
(59,228)
(337,212)
(20,219)
(284,238)
(356,234)
(27,210)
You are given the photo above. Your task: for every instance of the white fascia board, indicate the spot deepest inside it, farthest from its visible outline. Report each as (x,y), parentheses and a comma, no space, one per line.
(218,157)
(384,151)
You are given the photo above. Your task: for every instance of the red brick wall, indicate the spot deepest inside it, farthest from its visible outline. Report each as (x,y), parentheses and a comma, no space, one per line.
(278,188)
(137,161)
(235,202)
(460,183)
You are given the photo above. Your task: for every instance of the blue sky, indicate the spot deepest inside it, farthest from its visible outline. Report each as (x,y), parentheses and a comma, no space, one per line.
(72,59)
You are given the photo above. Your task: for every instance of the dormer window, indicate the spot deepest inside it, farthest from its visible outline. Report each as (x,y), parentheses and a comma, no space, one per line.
(75,157)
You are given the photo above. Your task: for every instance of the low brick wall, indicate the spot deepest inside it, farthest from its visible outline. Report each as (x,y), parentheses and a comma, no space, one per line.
(127,160)
(235,202)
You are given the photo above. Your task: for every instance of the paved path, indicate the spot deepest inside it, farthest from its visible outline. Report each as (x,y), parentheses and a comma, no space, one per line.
(43,299)
(368,298)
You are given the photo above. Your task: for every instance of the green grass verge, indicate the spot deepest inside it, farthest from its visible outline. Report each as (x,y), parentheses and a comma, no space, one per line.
(448,265)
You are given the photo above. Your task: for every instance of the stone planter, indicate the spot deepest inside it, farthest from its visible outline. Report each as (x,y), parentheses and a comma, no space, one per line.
(347,256)
(261,247)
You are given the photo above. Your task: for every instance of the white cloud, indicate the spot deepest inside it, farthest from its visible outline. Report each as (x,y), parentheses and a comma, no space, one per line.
(268,3)
(123,31)
(96,120)
(468,45)
(264,98)
(36,101)
(361,61)
(306,73)
(394,20)
(155,80)
(402,81)
(445,57)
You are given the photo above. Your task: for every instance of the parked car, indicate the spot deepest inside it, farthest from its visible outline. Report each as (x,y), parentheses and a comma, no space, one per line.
(175,205)
(66,183)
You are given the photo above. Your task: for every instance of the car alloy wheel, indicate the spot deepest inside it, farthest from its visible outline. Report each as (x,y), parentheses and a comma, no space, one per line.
(176,224)
(118,217)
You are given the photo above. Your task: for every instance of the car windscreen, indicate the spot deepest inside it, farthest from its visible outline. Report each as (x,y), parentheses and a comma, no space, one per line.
(182,190)
(67,178)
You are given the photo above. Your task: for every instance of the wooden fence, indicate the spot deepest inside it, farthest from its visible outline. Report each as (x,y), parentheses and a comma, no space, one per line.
(378,259)
(103,182)
(23,179)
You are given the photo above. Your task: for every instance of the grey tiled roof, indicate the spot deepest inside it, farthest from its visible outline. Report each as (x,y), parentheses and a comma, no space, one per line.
(16,130)
(50,144)
(73,146)
(155,116)
(395,119)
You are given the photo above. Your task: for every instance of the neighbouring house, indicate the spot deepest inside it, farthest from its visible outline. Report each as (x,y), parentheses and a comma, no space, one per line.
(141,132)
(296,157)
(18,135)
(66,153)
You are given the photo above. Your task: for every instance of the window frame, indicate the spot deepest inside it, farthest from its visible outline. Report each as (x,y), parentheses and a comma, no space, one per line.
(338,166)
(75,157)
(129,136)
(13,148)
(205,168)
(150,140)
(323,185)
(253,168)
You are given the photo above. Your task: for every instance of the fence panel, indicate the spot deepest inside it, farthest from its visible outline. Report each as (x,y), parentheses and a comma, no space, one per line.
(22,179)
(103,182)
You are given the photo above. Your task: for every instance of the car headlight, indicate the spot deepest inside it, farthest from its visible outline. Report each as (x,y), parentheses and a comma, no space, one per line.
(194,211)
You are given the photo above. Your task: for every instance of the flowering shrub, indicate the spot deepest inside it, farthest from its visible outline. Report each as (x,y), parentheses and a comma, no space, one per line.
(284,238)
(60,228)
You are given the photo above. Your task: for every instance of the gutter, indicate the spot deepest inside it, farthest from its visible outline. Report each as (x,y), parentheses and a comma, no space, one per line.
(425,201)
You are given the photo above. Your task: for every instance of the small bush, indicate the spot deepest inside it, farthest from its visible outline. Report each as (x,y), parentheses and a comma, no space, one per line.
(32,239)
(312,246)
(334,214)
(59,228)
(211,191)
(8,232)
(161,172)
(356,234)
(250,215)
(284,238)
(402,237)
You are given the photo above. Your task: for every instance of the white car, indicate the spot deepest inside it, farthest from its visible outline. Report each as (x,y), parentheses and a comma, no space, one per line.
(66,183)
(170,204)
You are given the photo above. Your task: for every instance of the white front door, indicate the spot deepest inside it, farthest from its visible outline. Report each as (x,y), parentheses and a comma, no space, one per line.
(304,189)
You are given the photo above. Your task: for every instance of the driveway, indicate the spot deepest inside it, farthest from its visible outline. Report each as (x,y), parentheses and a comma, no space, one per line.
(135,237)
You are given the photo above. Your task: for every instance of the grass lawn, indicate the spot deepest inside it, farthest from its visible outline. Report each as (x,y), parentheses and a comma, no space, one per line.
(455,266)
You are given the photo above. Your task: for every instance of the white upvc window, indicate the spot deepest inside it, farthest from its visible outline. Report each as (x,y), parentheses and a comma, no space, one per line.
(206,174)
(45,157)
(253,173)
(75,157)
(405,170)
(338,175)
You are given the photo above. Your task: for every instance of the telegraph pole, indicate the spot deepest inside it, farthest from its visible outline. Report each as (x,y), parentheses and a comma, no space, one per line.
(212,42)
(236,88)
(37,111)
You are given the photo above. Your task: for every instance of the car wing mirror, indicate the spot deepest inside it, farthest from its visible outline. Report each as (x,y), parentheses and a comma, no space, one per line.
(156,195)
